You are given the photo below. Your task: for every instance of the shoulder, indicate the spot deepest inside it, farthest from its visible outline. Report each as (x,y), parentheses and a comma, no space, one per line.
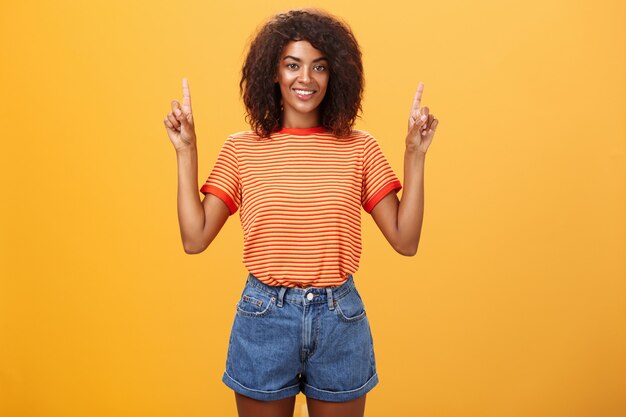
(240,138)
(243,135)
(365,138)
(246,136)
(363,135)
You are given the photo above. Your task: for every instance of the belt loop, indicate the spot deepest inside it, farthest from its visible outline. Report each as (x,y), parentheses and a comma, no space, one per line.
(329,298)
(281,294)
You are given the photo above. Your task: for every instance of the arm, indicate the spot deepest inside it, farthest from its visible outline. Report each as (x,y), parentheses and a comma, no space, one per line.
(401,221)
(199,222)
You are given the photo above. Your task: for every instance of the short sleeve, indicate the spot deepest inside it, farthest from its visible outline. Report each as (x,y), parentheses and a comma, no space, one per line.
(378,177)
(224,180)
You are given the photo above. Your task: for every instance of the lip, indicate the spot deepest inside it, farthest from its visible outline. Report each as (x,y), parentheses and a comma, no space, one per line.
(304,97)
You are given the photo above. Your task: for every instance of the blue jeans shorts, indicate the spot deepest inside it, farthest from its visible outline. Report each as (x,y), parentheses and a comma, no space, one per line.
(286,340)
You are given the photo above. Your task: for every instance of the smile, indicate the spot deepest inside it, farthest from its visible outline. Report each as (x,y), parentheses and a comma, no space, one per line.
(304,94)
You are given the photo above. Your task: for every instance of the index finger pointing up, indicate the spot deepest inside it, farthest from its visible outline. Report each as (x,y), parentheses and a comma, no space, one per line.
(186,97)
(418,98)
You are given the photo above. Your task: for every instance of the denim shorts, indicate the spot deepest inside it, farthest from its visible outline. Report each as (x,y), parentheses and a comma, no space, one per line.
(286,340)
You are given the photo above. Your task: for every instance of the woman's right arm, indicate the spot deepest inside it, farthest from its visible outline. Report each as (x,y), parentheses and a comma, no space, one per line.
(199,222)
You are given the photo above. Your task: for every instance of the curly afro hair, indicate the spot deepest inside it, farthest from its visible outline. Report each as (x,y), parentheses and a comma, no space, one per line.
(261,95)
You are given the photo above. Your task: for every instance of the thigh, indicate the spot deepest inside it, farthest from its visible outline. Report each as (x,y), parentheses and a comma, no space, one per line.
(352,408)
(249,407)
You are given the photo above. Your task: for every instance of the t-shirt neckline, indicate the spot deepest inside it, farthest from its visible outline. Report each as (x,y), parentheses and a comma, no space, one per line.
(302,130)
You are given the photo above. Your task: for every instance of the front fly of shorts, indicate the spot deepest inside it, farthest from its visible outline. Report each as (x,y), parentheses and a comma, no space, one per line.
(286,340)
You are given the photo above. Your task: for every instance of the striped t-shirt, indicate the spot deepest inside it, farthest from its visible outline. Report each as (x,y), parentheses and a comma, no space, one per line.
(300,193)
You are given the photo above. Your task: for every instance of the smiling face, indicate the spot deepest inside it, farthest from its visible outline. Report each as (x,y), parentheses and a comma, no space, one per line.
(303,77)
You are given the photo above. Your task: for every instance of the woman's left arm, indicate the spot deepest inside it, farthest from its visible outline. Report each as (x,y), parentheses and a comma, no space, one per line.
(401,221)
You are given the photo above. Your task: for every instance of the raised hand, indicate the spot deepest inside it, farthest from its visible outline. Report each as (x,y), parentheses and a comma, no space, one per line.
(422,124)
(179,122)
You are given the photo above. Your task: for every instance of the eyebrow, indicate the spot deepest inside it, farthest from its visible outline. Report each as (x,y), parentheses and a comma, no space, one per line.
(299,60)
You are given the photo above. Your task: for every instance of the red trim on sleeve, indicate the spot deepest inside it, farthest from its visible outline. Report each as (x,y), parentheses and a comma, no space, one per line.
(207,188)
(369,205)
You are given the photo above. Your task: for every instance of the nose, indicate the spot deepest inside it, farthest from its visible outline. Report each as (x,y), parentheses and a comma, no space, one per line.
(305,76)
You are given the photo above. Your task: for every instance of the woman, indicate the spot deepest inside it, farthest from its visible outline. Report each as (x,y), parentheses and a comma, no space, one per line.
(301,177)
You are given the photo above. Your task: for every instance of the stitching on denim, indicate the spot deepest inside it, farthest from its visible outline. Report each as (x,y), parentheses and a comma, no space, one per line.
(258,390)
(343,392)
(350,319)
(252,300)
(259,313)
(356,318)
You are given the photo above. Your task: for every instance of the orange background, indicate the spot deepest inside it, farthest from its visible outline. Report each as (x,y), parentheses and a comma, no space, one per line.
(514,305)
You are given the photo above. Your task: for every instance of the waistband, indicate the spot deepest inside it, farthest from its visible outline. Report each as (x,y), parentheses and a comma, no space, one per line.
(301,295)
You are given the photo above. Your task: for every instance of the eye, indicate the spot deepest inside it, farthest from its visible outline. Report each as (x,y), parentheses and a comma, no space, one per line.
(323,68)
(289,65)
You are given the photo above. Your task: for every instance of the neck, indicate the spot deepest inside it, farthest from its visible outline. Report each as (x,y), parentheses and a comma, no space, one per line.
(300,121)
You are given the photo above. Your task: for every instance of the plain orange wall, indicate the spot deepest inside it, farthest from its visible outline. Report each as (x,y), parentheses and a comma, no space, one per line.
(514,305)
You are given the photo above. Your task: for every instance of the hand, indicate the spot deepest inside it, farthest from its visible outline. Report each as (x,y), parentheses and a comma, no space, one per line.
(179,122)
(422,125)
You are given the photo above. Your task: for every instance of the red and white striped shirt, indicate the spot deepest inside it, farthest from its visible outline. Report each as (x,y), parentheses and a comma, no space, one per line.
(301,193)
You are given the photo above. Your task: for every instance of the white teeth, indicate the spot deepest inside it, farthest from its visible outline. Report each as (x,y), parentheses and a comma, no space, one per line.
(304,92)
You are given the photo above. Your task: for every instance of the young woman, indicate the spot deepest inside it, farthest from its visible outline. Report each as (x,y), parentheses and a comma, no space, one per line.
(300,178)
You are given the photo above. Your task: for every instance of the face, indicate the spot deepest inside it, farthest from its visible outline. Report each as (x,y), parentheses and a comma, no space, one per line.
(303,77)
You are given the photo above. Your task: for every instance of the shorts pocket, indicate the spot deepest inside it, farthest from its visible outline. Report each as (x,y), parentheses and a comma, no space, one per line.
(254,302)
(350,307)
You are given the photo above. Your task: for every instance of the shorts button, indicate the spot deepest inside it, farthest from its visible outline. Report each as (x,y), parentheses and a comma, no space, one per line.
(309,296)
